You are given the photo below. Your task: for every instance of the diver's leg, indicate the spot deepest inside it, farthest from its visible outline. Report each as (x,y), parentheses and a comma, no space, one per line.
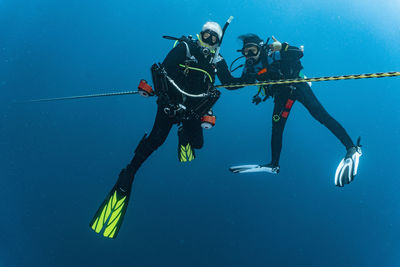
(305,96)
(190,136)
(278,126)
(348,167)
(148,144)
(193,130)
(109,216)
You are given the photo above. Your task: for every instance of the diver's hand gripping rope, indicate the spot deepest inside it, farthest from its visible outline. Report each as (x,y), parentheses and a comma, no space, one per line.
(317,79)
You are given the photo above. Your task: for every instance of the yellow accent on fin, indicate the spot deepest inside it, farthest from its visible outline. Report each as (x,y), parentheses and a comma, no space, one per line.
(182,154)
(112,227)
(94,225)
(120,202)
(115,214)
(186,153)
(107,210)
(112,233)
(109,213)
(114,199)
(100,224)
(189,152)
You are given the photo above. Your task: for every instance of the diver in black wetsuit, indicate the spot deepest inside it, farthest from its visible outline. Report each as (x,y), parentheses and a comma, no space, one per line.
(282,61)
(184,86)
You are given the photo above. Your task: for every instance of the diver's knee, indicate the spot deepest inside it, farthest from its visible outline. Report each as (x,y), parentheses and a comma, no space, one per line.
(156,139)
(277,125)
(322,117)
(148,144)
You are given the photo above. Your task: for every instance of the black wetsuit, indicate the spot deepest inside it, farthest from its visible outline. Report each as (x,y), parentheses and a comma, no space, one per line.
(192,82)
(286,65)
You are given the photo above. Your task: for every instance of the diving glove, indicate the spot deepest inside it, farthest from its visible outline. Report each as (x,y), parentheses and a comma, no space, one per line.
(348,167)
(276,45)
(256,100)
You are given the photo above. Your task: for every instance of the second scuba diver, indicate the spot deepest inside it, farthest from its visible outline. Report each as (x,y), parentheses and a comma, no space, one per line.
(282,61)
(184,86)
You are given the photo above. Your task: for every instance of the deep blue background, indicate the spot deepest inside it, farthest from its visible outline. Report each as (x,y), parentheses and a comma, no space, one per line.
(58,160)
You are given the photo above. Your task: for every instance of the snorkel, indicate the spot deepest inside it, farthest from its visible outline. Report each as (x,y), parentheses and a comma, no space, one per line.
(214,59)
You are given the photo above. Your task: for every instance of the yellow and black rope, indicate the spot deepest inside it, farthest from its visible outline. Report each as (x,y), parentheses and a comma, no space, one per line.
(317,79)
(289,81)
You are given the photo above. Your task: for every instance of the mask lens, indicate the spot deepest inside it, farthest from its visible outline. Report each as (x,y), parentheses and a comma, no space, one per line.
(209,37)
(250,51)
(206,35)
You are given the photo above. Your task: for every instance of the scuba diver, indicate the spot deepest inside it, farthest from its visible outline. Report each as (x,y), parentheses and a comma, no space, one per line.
(276,61)
(184,86)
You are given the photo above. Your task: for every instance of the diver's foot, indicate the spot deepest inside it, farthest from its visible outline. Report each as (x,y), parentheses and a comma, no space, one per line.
(269,168)
(348,167)
(274,168)
(109,217)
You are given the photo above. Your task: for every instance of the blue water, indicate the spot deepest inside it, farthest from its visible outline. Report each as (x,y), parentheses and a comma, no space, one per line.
(58,160)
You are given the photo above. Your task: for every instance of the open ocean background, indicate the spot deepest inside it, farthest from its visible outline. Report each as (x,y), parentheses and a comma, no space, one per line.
(58,160)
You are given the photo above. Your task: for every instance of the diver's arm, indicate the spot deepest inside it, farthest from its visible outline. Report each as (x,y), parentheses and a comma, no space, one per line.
(289,52)
(225,76)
